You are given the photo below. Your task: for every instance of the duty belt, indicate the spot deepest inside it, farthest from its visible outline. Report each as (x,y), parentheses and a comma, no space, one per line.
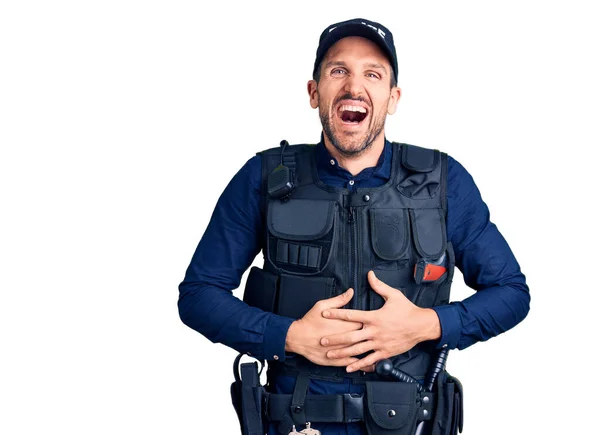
(330,408)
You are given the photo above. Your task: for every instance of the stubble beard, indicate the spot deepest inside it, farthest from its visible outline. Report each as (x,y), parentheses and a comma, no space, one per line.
(350,146)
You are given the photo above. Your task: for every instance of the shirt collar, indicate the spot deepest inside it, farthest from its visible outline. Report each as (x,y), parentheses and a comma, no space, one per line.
(329,164)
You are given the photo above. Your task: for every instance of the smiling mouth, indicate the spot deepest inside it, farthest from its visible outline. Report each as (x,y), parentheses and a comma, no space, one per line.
(353,115)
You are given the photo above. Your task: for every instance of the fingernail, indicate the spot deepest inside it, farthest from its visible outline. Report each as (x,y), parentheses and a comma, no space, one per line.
(349,369)
(324,342)
(326,314)
(331,354)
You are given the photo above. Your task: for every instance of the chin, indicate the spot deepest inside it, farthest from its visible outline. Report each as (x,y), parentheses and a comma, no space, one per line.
(351,147)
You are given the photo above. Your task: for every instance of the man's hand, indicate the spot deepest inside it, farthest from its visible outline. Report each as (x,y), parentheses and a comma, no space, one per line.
(393,329)
(304,336)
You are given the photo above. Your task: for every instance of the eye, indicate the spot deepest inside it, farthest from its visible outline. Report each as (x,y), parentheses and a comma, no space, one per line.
(338,71)
(373,75)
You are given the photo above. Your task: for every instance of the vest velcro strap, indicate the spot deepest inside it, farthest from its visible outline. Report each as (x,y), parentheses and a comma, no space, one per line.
(330,408)
(419,159)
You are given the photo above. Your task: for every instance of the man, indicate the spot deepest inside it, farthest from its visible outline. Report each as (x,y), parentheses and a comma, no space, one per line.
(360,237)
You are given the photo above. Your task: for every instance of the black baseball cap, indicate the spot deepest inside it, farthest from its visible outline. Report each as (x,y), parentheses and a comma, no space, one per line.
(371,30)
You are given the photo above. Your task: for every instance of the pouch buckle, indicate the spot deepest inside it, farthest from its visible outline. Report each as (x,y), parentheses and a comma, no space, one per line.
(353,407)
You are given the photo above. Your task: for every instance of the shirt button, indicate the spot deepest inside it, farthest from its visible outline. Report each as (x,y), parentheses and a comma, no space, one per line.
(444,346)
(351,182)
(332,162)
(367,198)
(275,357)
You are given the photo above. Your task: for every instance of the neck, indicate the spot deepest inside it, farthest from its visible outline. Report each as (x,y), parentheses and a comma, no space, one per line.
(366,159)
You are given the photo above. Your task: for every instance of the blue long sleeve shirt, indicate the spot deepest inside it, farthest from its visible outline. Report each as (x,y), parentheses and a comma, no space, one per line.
(234,235)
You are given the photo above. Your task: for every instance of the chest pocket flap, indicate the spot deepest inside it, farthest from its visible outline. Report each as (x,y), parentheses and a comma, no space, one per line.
(301,219)
(429,230)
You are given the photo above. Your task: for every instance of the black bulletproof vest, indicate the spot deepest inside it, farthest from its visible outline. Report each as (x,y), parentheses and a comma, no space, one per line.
(321,240)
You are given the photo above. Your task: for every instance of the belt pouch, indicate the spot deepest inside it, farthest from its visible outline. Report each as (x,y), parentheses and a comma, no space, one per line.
(391,408)
(448,418)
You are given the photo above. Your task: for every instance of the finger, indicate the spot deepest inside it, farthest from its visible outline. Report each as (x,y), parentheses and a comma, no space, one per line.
(369,369)
(346,338)
(341,362)
(381,287)
(339,300)
(348,315)
(370,359)
(356,349)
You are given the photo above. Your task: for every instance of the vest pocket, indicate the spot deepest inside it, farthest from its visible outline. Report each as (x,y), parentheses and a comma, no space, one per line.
(298,294)
(429,232)
(286,295)
(261,289)
(301,235)
(389,232)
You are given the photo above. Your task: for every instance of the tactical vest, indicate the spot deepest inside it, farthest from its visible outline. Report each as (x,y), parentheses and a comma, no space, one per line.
(321,240)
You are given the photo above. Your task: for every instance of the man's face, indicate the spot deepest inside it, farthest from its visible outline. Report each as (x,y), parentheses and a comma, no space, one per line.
(354,94)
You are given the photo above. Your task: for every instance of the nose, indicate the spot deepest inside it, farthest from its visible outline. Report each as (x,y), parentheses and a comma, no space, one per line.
(353,84)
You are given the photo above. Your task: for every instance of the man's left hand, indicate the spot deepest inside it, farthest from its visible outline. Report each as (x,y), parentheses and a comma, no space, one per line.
(393,329)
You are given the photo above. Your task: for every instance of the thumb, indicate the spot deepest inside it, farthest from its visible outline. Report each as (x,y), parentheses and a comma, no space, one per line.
(380,287)
(339,300)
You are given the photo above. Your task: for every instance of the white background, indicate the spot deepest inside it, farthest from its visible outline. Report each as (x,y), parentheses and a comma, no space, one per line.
(122,121)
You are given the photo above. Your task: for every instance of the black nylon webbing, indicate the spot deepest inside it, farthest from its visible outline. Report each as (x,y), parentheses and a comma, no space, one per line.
(289,160)
(297,413)
(443,184)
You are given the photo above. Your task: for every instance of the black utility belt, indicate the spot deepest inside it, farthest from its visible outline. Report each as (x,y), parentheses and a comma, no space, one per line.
(385,408)
(385,405)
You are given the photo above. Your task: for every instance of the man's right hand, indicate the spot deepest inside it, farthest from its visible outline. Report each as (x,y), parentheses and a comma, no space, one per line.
(305,334)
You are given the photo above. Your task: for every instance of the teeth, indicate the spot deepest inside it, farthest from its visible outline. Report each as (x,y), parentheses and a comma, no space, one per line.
(353,109)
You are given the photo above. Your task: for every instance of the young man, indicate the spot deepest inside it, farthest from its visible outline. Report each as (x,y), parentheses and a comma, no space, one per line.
(360,237)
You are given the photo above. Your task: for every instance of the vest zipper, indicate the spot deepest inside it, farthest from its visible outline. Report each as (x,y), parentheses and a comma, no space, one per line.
(353,256)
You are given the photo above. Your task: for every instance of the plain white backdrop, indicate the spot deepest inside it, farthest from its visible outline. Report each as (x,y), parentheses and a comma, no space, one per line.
(121,123)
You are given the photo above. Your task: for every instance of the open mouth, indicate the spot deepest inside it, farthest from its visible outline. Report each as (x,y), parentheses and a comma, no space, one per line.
(351,114)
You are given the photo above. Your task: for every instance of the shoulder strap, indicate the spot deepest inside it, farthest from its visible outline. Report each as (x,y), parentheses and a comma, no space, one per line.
(443,184)
(419,159)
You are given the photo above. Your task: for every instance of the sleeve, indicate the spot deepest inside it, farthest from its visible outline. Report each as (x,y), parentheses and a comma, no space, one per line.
(488,265)
(228,247)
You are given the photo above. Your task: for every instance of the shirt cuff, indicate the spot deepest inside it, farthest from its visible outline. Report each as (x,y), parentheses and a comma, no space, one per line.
(274,337)
(450,324)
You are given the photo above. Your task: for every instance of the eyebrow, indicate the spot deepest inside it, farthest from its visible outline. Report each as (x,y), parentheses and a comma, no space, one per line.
(335,63)
(367,65)
(376,65)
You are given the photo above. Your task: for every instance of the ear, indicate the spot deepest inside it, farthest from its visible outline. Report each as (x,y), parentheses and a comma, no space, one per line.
(313,94)
(395,95)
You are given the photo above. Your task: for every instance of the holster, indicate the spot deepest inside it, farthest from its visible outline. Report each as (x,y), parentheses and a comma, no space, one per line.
(247,397)
(448,418)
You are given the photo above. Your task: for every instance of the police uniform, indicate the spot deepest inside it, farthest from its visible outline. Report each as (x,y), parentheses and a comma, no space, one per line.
(319,237)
